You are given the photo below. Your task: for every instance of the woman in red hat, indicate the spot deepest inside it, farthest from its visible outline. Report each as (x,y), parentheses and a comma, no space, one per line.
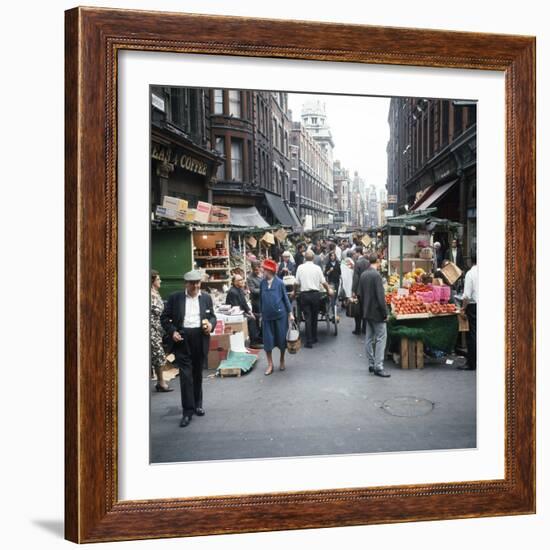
(276,313)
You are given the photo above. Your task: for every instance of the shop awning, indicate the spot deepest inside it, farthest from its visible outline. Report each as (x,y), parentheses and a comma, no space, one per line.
(247,217)
(432,195)
(280,210)
(297,222)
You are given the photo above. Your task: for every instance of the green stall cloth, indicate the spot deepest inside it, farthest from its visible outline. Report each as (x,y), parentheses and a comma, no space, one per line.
(436,332)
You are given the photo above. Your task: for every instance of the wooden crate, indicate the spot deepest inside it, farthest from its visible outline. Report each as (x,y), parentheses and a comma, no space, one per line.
(412,354)
(230,372)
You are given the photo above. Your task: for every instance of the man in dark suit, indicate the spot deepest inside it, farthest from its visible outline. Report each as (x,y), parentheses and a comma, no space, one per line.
(188,319)
(361,265)
(286,267)
(454,254)
(235,297)
(375,313)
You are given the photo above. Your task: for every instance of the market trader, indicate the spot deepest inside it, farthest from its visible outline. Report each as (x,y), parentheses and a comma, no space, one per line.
(469,307)
(188,319)
(236,297)
(310,279)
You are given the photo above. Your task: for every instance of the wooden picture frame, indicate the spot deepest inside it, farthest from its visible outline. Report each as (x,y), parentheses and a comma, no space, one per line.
(93,39)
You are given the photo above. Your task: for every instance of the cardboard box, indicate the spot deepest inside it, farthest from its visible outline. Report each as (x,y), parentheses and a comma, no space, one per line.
(452,273)
(202,214)
(231,328)
(175,203)
(366,240)
(190,215)
(252,242)
(215,357)
(218,349)
(437,282)
(170,214)
(463,324)
(220,214)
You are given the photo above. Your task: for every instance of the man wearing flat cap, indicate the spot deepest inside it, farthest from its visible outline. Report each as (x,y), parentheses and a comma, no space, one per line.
(188,319)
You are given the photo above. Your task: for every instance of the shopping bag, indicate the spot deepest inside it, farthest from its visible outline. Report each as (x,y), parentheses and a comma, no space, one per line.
(353,309)
(293,342)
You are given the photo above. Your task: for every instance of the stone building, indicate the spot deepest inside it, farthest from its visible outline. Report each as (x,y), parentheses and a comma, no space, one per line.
(312,176)
(342,194)
(371,210)
(357,201)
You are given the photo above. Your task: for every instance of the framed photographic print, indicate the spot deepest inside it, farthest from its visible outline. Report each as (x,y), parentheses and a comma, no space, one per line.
(275,315)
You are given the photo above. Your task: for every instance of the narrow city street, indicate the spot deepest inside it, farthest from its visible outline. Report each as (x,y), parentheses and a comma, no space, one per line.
(324,403)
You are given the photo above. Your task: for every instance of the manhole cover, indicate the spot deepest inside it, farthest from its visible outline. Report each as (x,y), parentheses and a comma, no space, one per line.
(407,406)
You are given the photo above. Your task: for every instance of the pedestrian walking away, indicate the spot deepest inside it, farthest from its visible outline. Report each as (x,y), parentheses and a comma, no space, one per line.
(188,320)
(276,312)
(309,280)
(375,313)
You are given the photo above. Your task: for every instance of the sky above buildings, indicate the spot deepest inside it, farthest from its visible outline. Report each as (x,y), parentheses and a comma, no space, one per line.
(360,131)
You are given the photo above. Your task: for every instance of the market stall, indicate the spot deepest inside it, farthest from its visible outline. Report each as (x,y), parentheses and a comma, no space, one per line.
(423,314)
(410,241)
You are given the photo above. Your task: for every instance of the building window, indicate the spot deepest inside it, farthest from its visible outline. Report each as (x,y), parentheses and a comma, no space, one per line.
(313,120)
(218,102)
(235,103)
(220,148)
(237,160)
(457,110)
(445,122)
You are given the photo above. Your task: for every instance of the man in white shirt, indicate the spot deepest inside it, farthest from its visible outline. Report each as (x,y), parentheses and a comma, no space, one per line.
(469,307)
(309,280)
(188,319)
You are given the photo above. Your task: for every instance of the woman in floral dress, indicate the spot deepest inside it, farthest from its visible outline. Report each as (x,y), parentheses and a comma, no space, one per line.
(158,357)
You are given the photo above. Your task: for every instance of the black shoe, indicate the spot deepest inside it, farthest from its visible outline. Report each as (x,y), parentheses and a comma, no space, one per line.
(371,369)
(199,411)
(160,388)
(315,341)
(382,373)
(356,332)
(308,346)
(185,421)
(465,367)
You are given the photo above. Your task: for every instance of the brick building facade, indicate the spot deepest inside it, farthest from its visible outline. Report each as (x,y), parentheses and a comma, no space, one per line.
(432,160)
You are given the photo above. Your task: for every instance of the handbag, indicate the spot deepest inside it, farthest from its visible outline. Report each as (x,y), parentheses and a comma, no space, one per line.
(293,342)
(353,309)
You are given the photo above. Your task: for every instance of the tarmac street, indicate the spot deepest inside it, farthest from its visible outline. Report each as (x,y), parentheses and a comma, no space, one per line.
(325,402)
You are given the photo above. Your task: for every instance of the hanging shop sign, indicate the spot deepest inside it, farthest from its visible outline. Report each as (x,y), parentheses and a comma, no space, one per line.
(183,160)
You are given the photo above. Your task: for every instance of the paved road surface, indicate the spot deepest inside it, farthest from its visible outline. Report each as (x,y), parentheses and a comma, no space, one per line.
(325,403)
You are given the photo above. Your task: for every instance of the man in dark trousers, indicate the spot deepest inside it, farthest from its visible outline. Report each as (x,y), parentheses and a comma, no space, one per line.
(235,297)
(309,280)
(469,307)
(188,319)
(361,265)
(299,256)
(375,313)
(253,283)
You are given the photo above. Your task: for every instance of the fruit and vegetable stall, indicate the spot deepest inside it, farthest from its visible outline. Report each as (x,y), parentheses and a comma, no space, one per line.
(421,312)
